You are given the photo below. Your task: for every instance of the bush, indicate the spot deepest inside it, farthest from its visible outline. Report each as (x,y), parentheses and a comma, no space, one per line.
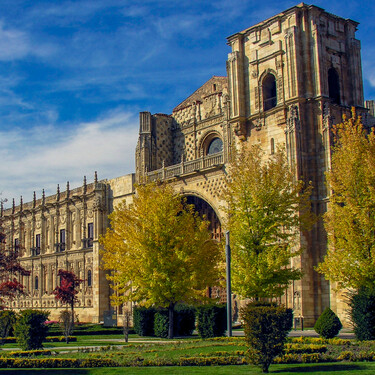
(184,320)
(266,329)
(7,320)
(161,323)
(362,313)
(212,320)
(143,320)
(328,324)
(30,329)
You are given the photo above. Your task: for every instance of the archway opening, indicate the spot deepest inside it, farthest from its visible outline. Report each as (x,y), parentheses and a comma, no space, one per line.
(205,209)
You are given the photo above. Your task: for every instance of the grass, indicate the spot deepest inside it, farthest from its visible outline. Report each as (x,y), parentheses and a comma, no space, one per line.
(312,369)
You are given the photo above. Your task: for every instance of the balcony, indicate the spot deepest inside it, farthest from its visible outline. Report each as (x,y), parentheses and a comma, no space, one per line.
(189,167)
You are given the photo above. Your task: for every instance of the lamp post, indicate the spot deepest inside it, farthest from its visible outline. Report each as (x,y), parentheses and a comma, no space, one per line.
(229,288)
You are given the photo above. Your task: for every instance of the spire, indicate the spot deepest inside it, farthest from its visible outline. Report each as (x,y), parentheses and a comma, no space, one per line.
(96,177)
(84,185)
(1,208)
(21,204)
(13,207)
(67,189)
(58,192)
(43,197)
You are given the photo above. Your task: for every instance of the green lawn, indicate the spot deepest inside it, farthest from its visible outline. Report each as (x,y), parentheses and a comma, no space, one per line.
(312,369)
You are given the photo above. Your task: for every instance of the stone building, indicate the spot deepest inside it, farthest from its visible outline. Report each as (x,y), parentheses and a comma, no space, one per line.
(61,232)
(289,79)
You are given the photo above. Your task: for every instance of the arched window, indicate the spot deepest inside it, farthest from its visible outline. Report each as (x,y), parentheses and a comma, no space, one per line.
(333,85)
(269,92)
(36,283)
(89,278)
(215,146)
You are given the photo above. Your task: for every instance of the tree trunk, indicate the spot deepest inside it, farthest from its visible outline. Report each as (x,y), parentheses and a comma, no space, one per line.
(171,313)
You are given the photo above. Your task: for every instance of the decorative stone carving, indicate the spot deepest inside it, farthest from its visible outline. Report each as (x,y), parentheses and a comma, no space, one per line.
(293,121)
(327,117)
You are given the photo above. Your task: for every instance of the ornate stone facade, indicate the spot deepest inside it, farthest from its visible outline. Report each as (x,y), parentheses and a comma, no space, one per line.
(61,232)
(290,78)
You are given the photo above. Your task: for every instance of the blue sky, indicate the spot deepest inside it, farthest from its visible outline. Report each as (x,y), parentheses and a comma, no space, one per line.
(75,74)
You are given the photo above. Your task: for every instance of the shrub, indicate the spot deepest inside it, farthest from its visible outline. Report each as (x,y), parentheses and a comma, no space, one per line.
(161,323)
(328,324)
(143,320)
(266,329)
(30,329)
(362,313)
(7,321)
(211,320)
(184,320)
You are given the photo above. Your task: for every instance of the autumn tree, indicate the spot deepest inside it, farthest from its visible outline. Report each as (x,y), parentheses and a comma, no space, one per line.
(159,250)
(350,218)
(10,269)
(266,208)
(68,289)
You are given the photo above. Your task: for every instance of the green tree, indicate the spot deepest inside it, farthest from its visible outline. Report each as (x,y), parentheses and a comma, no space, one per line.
(266,209)
(350,218)
(161,251)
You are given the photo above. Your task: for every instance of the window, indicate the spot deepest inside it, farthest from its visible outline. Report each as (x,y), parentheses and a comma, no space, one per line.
(89,278)
(333,85)
(62,239)
(36,283)
(16,244)
(90,234)
(269,92)
(37,245)
(272,146)
(215,146)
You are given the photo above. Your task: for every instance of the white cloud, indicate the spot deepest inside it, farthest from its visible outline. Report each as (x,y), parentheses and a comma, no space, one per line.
(106,145)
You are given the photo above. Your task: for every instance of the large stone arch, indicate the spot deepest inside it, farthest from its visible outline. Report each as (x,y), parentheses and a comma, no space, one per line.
(206,208)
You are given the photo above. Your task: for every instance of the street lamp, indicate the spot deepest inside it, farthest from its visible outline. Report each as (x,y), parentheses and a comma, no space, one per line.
(229,288)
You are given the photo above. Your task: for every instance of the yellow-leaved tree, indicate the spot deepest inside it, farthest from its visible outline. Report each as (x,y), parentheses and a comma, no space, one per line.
(350,218)
(160,251)
(266,210)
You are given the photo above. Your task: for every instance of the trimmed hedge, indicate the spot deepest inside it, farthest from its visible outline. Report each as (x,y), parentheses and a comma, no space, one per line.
(362,313)
(161,323)
(143,320)
(212,320)
(12,340)
(56,363)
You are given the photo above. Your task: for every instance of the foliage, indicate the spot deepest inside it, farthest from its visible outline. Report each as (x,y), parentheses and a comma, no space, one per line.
(143,320)
(328,324)
(211,320)
(362,313)
(30,329)
(7,321)
(161,249)
(350,219)
(9,268)
(266,208)
(161,323)
(67,291)
(65,319)
(266,329)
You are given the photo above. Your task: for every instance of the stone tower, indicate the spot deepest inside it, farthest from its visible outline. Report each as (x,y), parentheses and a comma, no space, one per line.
(290,78)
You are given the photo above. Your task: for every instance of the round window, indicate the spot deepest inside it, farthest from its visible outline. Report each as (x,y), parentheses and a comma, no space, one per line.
(215,146)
